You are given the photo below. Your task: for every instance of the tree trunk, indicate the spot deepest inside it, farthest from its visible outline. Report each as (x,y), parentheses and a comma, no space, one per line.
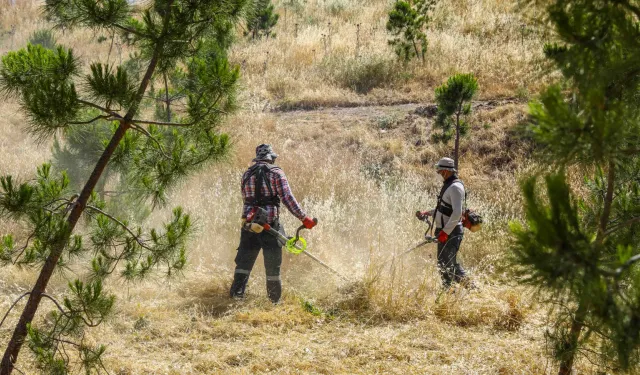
(457,146)
(566,365)
(20,332)
(166,96)
(13,349)
(608,201)
(415,48)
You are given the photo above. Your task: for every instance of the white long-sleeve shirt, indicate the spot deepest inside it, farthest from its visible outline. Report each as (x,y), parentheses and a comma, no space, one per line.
(454,195)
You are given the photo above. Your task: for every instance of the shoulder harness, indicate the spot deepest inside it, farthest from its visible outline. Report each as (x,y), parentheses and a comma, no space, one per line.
(446,209)
(260,171)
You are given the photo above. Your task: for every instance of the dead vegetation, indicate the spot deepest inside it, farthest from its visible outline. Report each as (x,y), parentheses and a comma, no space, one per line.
(363,171)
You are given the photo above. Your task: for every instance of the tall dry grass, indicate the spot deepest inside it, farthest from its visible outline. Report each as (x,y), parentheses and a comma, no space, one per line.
(489,38)
(389,318)
(363,172)
(325,51)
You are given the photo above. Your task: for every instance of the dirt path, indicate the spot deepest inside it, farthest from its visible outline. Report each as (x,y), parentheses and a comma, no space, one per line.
(365,110)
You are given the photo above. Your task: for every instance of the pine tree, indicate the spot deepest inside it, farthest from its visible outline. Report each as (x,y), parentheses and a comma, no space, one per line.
(149,158)
(262,20)
(43,37)
(582,250)
(454,105)
(408,23)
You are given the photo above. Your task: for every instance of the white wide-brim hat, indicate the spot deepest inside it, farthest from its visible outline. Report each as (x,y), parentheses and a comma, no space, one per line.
(446,164)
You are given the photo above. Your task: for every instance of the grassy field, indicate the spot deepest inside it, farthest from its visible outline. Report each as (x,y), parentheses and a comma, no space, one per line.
(363,171)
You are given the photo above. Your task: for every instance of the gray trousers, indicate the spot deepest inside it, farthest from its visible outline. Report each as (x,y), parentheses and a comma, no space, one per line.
(450,270)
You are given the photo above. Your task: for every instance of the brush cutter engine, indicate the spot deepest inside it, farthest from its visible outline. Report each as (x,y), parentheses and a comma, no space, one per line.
(256,220)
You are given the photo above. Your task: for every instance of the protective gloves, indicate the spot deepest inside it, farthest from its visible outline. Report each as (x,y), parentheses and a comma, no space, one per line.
(308,222)
(421,215)
(443,237)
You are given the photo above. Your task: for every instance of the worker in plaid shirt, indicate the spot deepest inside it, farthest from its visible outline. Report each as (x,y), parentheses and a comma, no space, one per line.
(274,188)
(280,186)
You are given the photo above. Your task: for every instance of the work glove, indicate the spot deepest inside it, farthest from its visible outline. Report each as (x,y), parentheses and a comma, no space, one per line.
(308,222)
(443,237)
(421,215)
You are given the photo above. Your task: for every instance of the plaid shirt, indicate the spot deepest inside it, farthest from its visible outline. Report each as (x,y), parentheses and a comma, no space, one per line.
(280,187)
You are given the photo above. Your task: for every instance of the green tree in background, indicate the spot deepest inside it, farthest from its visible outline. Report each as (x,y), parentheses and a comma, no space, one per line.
(147,156)
(581,250)
(43,37)
(408,23)
(454,105)
(262,20)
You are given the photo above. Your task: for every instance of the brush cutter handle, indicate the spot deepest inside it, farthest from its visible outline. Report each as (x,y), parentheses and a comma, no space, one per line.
(315,222)
(292,244)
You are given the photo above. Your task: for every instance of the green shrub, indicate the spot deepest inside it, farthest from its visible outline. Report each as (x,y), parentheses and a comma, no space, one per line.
(43,37)
(361,74)
(336,7)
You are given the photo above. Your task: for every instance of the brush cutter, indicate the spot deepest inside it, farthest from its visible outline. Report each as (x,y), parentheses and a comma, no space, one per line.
(294,245)
(428,238)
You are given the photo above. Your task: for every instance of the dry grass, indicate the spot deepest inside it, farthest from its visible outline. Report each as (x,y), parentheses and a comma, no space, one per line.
(362,171)
(313,61)
(486,37)
(391,319)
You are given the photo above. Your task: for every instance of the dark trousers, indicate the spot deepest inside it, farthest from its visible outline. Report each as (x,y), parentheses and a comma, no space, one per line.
(450,270)
(248,250)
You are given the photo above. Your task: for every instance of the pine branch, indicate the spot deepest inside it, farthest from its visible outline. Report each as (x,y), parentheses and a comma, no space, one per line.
(163,123)
(187,124)
(103,109)
(613,228)
(628,6)
(121,224)
(618,271)
(23,248)
(88,121)
(608,201)
(129,30)
(26,294)
(12,306)
(56,303)
(152,138)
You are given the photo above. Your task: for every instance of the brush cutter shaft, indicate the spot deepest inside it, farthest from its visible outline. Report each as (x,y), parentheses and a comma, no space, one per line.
(323,264)
(281,237)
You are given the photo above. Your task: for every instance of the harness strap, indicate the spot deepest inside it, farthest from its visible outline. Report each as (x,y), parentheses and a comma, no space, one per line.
(260,172)
(446,208)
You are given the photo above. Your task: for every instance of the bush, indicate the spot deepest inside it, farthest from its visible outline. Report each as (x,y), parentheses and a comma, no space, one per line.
(43,37)
(336,7)
(361,74)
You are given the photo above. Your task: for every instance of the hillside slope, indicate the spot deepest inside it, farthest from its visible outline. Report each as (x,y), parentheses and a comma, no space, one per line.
(361,167)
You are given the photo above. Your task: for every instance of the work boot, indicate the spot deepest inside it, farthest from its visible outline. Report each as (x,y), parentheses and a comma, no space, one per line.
(274,290)
(239,285)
